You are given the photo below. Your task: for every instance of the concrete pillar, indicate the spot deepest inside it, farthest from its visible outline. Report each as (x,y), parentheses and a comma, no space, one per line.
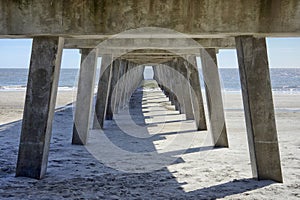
(160,79)
(177,85)
(258,106)
(214,97)
(154,73)
(114,79)
(164,80)
(39,106)
(188,108)
(196,94)
(103,91)
(169,83)
(123,86)
(85,94)
(119,91)
(129,81)
(137,74)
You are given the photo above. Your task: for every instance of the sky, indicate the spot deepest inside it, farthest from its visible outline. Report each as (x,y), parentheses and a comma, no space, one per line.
(282,52)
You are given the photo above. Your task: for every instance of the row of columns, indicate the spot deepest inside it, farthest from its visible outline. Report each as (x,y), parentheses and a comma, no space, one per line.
(118,80)
(179,79)
(43,83)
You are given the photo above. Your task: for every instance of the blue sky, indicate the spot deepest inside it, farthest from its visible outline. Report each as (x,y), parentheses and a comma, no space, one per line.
(282,52)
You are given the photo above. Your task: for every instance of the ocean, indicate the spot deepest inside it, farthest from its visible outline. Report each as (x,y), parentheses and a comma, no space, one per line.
(286,80)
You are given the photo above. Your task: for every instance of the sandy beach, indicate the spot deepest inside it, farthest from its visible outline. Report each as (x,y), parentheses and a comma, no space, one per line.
(12,104)
(194,171)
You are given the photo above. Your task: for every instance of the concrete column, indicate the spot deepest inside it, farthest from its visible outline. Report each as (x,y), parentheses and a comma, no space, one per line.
(258,106)
(39,106)
(164,80)
(103,91)
(85,94)
(157,76)
(136,74)
(169,83)
(178,82)
(129,81)
(114,79)
(154,67)
(214,97)
(196,94)
(123,86)
(160,73)
(188,108)
(119,91)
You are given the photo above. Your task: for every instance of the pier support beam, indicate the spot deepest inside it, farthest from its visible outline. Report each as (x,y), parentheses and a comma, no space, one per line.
(196,94)
(123,85)
(112,100)
(39,106)
(103,91)
(188,108)
(85,93)
(259,108)
(214,97)
(175,84)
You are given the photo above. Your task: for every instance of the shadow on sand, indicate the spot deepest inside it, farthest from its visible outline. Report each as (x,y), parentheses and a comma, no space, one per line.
(73,173)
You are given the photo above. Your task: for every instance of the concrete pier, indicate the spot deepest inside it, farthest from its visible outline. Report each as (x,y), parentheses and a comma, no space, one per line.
(209,24)
(103,91)
(39,106)
(175,84)
(259,108)
(188,108)
(196,94)
(123,86)
(214,97)
(84,98)
(114,78)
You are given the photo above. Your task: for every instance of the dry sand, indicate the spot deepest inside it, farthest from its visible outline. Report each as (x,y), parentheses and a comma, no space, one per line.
(12,104)
(193,170)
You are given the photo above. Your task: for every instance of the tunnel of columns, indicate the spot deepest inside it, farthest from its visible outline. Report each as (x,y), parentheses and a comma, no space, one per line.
(198,32)
(177,76)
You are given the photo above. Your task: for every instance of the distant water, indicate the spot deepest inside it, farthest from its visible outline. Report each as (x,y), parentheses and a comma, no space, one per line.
(282,79)
(16,79)
(285,80)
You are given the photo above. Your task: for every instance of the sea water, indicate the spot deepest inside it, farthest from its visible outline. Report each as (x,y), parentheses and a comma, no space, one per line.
(286,80)
(16,79)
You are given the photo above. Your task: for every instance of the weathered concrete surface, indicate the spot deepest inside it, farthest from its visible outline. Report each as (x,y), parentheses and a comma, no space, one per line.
(184,80)
(214,97)
(169,84)
(103,91)
(114,79)
(101,18)
(259,109)
(123,86)
(175,86)
(196,94)
(109,45)
(39,106)
(85,93)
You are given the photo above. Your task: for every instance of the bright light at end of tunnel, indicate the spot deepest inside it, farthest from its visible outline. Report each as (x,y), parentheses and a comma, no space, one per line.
(148,73)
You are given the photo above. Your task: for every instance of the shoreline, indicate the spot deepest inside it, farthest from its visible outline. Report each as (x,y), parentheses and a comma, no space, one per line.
(12,103)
